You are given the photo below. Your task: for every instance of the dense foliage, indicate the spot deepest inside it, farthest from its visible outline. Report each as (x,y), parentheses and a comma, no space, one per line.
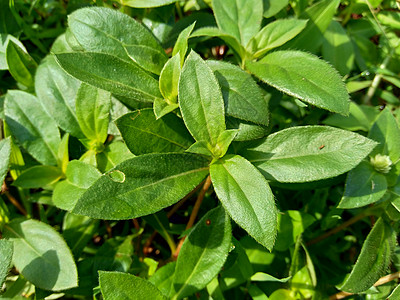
(224,149)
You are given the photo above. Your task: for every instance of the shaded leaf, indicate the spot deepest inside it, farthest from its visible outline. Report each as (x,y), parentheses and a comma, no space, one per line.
(6,254)
(5,153)
(38,177)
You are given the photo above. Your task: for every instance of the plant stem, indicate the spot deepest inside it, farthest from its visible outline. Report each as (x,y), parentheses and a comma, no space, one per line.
(194,213)
(338,228)
(15,203)
(382,280)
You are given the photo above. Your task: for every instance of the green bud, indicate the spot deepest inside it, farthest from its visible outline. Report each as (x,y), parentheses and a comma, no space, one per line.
(381,163)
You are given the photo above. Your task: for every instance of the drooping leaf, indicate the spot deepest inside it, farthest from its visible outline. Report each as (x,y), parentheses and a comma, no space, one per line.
(56,91)
(243,98)
(38,177)
(146,3)
(169,79)
(203,253)
(304,76)
(386,132)
(80,176)
(112,74)
(93,112)
(5,152)
(337,48)
(181,44)
(308,153)
(320,16)
(200,100)
(98,29)
(259,276)
(239,18)
(6,254)
(32,126)
(142,185)
(41,255)
(124,286)
(144,134)
(20,64)
(363,186)
(274,35)
(373,260)
(246,196)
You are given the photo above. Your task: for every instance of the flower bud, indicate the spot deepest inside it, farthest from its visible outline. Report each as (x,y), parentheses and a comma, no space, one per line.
(381,163)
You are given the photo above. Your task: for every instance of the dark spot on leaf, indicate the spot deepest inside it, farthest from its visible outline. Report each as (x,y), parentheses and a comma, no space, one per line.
(208,222)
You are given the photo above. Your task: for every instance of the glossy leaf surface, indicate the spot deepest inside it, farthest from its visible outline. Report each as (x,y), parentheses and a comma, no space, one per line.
(201,101)
(307,153)
(142,185)
(246,196)
(41,255)
(304,76)
(203,253)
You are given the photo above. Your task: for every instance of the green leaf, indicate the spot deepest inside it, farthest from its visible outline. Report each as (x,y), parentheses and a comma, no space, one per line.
(256,293)
(6,254)
(201,101)
(163,278)
(78,231)
(338,49)
(142,185)
(93,112)
(243,98)
(4,39)
(38,177)
(203,253)
(169,79)
(159,222)
(146,3)
(34,129)
(260,276)
(272,7)
(274,35)
(56,91)
(161,107)
(239,18)
(143,134)
(308,153)
(246,130)
(41,255)
(395,294)
(386,132)
(112,155)
(181,44)
(5,153)
(320,16)
(373,260)
(98,29)
(20,64)
(232,41)
(304,76)
(247,197)
(112,74)
(123,286)
(80,176)
(363,186)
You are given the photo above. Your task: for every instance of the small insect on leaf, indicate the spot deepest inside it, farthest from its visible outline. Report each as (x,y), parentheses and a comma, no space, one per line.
(208,222)
(321,147)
